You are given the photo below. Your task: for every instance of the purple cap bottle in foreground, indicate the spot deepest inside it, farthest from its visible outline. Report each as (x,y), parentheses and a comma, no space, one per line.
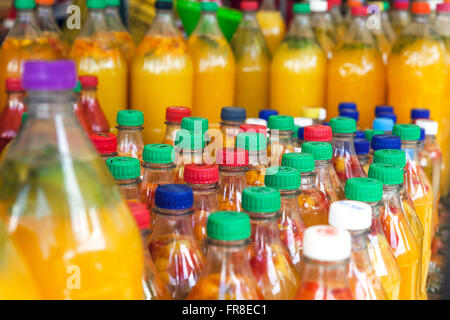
(49,75)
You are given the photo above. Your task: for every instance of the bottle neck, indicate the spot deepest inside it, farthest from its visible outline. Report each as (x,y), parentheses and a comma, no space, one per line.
(258,157)
(205,189)
(289,195)
(49,104)
(128,183)
(332,273)
(268,5)
(322,164)
(229,256)
(392,190)
(129,129)
(308,180)
(301,26)
(173,222)
(163,24)
(45,11)
(421,18)
(358,32)
(158,166)
(89,93)
(264,228)
(208,25)
(359,239)
(25,25)
(410,147)
(232,171)
(113,13)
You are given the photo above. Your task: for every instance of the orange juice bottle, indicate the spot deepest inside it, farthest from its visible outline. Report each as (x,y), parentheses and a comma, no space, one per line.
(400,17)
(272,24)
(356,71)
(322,24)
(214,67)
(96,52)
(298,67)
(252,63)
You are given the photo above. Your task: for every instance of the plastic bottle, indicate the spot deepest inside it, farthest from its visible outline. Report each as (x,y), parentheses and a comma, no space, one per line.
(334,7)
(214,66)
(325,262)
(258,162)
(129,134)
(280,140)
(204,181)
(95,52)
(290,224)
(126,172)
(383,124)
(91,106)
(227,274)
(252,62)
(188,150)
(161,72)
(381,255)
(105,143)
(322,23)
(400,16)
(362,149)
(79,111)
(232,118)
(176,253)
(174,115)
(386,23)
(293,87)
(272,24)
(356,218)
(270,261)
(79,205)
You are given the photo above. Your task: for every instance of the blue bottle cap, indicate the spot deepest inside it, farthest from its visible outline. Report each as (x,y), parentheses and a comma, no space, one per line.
(383,108)
(388,115)
(233,114)
(385,141)
(300,132)
(362,146)
(420,114)
(347,105)
(350,113)
(359,134)
(326,123)
(174,196)
(266,113)
(422,134)
(383,124)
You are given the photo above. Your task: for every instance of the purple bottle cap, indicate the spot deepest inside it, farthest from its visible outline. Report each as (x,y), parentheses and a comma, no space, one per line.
(49,75)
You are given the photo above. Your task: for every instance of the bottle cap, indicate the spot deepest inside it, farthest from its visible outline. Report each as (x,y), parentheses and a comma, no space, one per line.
(360,11)
(295,131)
(386,5)
(420,8)
(77,88)
(209,6)
(302,121)
(386,141)
(443,7)
(282,178)
(303,162)
(362,146)
(320,150)
(88,81)
(233,114)
(49,75)
(349,113)
(163,5)
(388,174)
(350,215)
(130,118)
(312,113)
(104,142)
(334,3)
(251,141)
(422,134)
(420,114)
(401,5)
(185,139)
(266,113)
(232,157)
(369,133)
(390,156)
(430,126)
(194,124)
(318,132)
(261,199)
(96,4)
(407,131)
(347,105)
(24,118)
(201,173)
(383,124)
(123,168)
(253,128)
(300,8)
(383,108)
(24,4)
(318,6)
(140,213)
(364,189)
(45,2)
(249,5)
(359,134)
(388,115)
(280,122)
(326,243)
(228,226)
(14,84)
(322,114)
(256,121)
(112,3)
(343,125)
(174,196)
(176,114)
(158,153)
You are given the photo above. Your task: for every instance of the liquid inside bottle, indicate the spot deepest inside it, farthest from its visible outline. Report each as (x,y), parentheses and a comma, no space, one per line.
(258,162)
(91,106)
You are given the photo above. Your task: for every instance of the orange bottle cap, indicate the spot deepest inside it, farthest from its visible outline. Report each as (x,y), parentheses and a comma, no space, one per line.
(420,8)
(45,2)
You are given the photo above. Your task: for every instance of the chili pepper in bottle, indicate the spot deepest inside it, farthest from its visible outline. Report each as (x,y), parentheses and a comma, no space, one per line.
(126,172)
(129,133)
(91,105)
(233,165)
(280,140)
(356,218)
(290,224)
(312,202)
(381,255)
(256,146)
(78,110)
(188,150)
(203,179)
(362,149)
(232,118)
(227,274)
(173,247)
(324,264)
(174,116)
(270,261)
(105,143)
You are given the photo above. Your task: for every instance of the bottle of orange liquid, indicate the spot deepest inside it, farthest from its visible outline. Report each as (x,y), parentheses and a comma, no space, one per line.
(95,52)
(214,66)
(356,71)
(272,24)
(298,67)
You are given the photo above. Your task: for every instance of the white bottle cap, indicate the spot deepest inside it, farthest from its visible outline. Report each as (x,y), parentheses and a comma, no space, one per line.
(430,126)
(256,121)
(318,6)
(322,114)
(303,122)
(326,243)
(350,215)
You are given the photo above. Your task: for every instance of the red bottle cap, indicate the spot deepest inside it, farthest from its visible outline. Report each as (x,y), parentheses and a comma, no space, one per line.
(232,157)
(360,11)
(318,132)
(140,213)
(88,81)
(175,114)
(334,3)
(105,142)
(443,7)
(14,84)
(257,128)
(249,5)
(420,8)
(401,5)
(201,173)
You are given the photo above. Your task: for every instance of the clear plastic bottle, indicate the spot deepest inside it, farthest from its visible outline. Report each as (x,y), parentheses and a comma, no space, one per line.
(356,218)
(188,150)
(325,261)
(312,202)
(280,140)
(381,255)
(204,181)
(258,162)
(227,274)
(177,255)
(75,215)
(400,17)
(126,172)
(129,134)
(272,24)
(362,149)
(105,143)
(334,6)
(174,115)
(270,261)
(322,23)
(79,111)
(290,224)
(232,118)
(91,105)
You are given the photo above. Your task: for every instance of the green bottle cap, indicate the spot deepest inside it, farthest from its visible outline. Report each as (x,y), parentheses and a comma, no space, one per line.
(123,168)
(228,226)
(406,131)
(386,5)
(229,20)
(364,189)
(261,199)
(189,140)
(96,4)
(130,118)
(388,174)
(300,8)
(303,162)
(78,87)
(251,141)
(112,3)
(194,124)
(158,153)
(369,133)
(281,122)
(24,117)
(282,178)
(343,125)
(319,150)
(208,6)
(390,156)
(24,4)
